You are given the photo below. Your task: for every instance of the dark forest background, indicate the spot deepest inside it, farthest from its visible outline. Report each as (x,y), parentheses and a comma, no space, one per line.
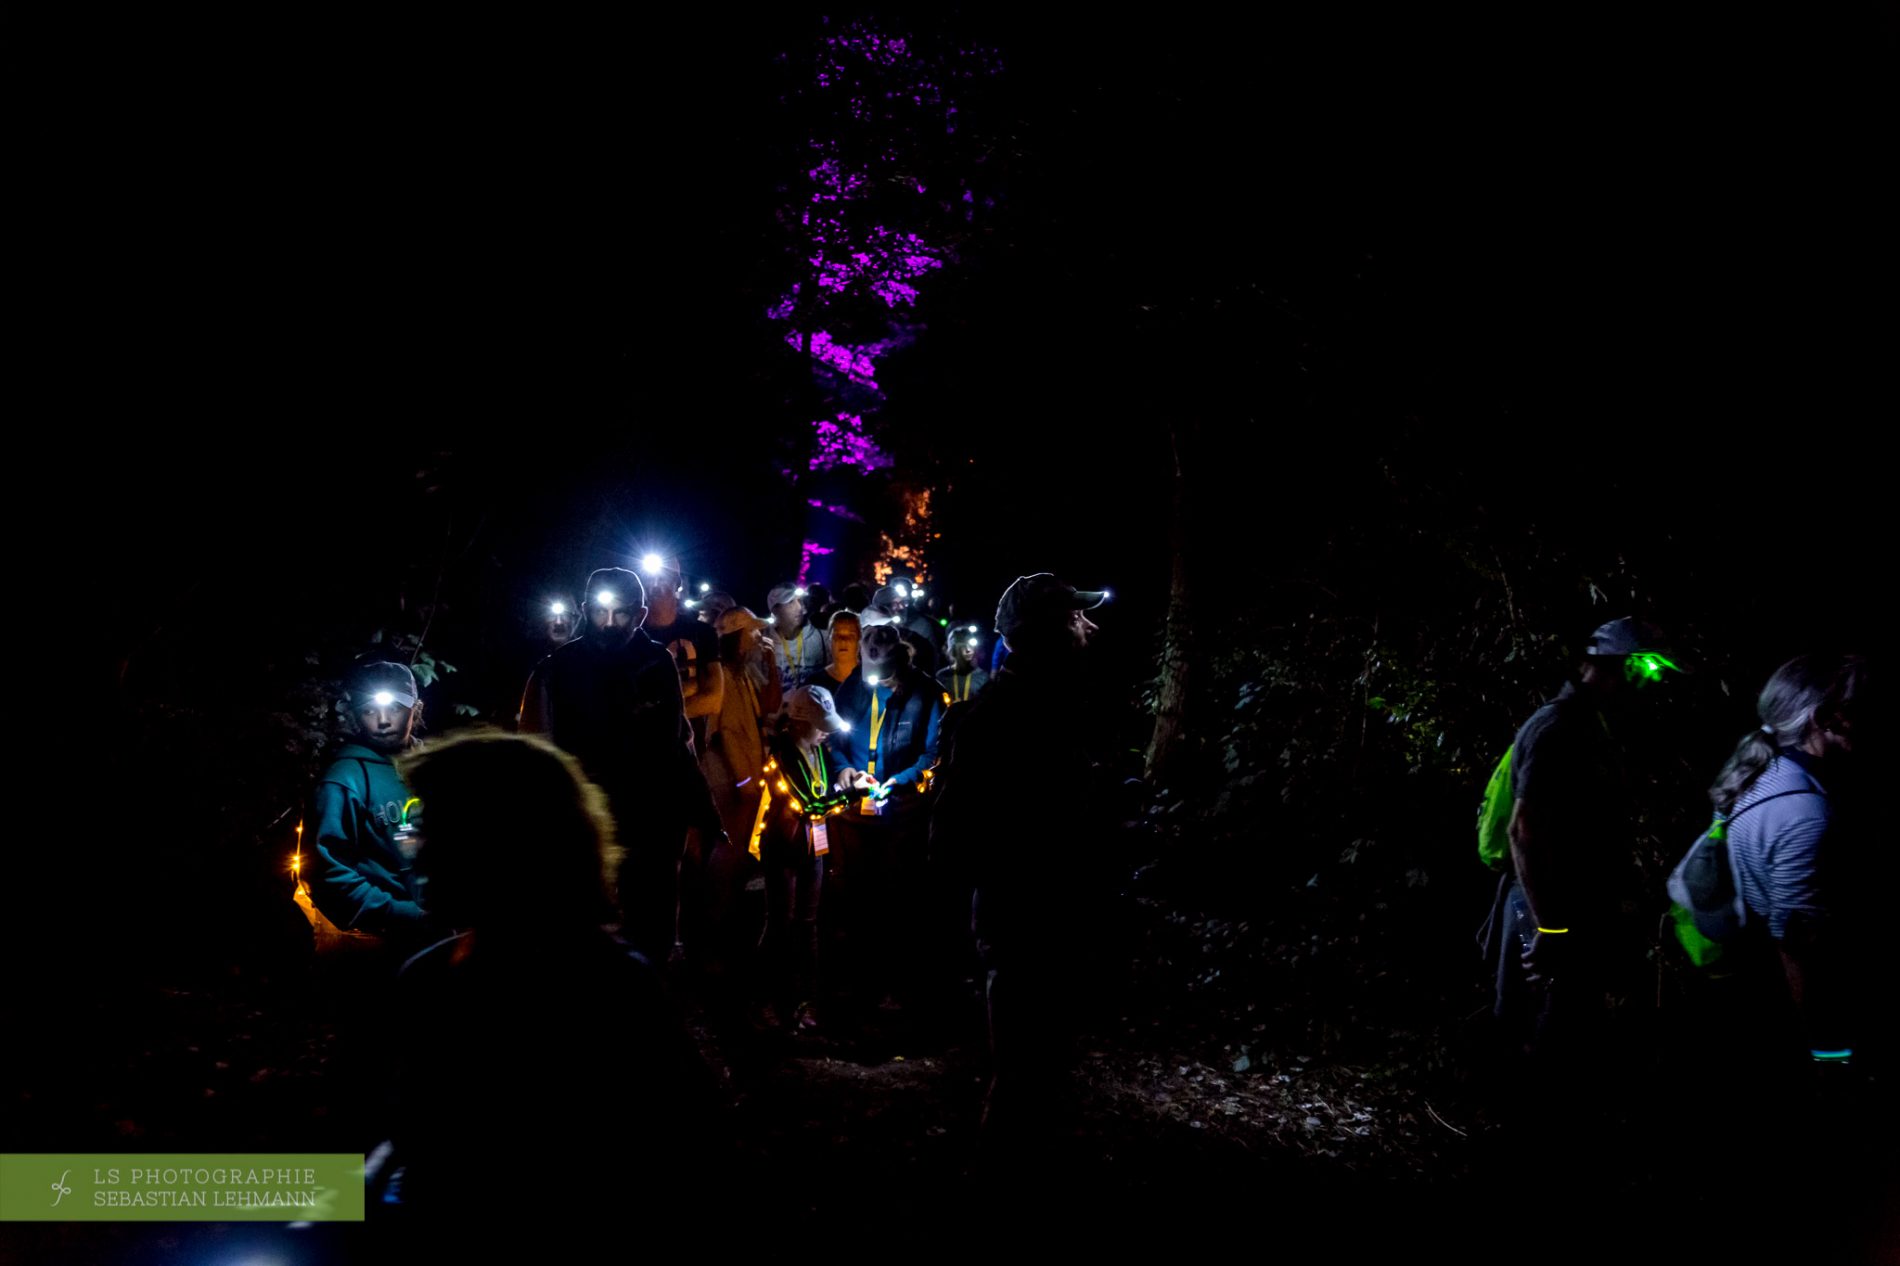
(1467,336)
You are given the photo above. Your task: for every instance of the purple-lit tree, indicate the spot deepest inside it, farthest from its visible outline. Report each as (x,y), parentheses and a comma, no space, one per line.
(885,196)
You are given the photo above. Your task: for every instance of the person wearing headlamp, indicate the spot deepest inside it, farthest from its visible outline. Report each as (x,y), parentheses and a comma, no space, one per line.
(962,680)
(1570,823)
(1026,824)
(798,647)
(803,802)
(897,603)
(694,646)
(611,699)
(1561,940)
(895,712)
(889,755)
(558,621)
(364,816)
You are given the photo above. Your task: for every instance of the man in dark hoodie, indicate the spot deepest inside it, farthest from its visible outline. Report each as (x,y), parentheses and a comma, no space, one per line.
(364,815)
(611,699)
(1029,829)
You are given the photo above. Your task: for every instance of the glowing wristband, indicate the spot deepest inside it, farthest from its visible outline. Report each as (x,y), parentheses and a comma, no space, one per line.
(1833,1057)
(1552,931)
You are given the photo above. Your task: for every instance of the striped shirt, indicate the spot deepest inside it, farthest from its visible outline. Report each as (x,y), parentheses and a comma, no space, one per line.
(1777,849)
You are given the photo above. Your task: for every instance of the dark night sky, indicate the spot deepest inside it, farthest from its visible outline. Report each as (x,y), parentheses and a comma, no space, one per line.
(282,272)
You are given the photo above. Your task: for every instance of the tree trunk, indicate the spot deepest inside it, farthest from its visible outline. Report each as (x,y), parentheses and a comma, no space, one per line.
(1170,740)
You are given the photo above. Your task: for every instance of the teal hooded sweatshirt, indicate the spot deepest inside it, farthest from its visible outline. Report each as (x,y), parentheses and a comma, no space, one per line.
(361,880)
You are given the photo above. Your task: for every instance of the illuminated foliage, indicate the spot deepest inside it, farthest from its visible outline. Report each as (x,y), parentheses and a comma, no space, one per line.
(880,202)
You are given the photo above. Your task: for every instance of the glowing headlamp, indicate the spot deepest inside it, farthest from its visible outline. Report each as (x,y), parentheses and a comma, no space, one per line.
(383,698)
(1647,666)
(705,586)
(974,629)
(605,598)
(651,564)
(800,592)
(691,602)
(903,591)
(558,608)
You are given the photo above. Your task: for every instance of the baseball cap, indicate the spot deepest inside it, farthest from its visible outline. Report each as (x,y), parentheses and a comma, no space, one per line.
(1627,636)
(780,595)
(814,704)
(737,620)
(1643,647)
(1042,599)
(367,681)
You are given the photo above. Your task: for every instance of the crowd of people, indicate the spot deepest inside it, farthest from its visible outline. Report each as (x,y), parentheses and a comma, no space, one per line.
(836,809)
(762,811)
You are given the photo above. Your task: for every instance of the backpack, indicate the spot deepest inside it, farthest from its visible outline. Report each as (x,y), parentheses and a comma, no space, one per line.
(1708,906)
(1494,815)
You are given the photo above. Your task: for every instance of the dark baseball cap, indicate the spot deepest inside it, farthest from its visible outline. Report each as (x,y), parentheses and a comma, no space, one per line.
(1627,636)
(626,586)
(1042,599)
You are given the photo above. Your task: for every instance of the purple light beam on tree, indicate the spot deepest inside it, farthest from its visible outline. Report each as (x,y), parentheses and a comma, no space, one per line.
(882,91)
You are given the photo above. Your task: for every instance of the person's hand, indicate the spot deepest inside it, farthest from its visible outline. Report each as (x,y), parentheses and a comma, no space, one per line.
(1545,956)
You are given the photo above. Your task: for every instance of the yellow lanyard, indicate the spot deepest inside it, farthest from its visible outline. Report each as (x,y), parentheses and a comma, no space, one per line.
(877,724)
(796,661)
(963,689)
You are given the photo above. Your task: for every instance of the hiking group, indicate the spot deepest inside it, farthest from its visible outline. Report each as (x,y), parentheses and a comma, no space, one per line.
(791,828)
(1781,1033)
(791,821)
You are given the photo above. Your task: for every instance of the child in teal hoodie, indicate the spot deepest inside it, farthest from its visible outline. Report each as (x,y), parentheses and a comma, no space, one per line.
(362,879)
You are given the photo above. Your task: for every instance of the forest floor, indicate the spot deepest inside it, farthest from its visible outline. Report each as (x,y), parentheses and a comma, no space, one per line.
(1285,1075)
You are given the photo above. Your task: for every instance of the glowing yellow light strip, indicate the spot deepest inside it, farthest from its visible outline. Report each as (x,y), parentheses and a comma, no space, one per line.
(296,863)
